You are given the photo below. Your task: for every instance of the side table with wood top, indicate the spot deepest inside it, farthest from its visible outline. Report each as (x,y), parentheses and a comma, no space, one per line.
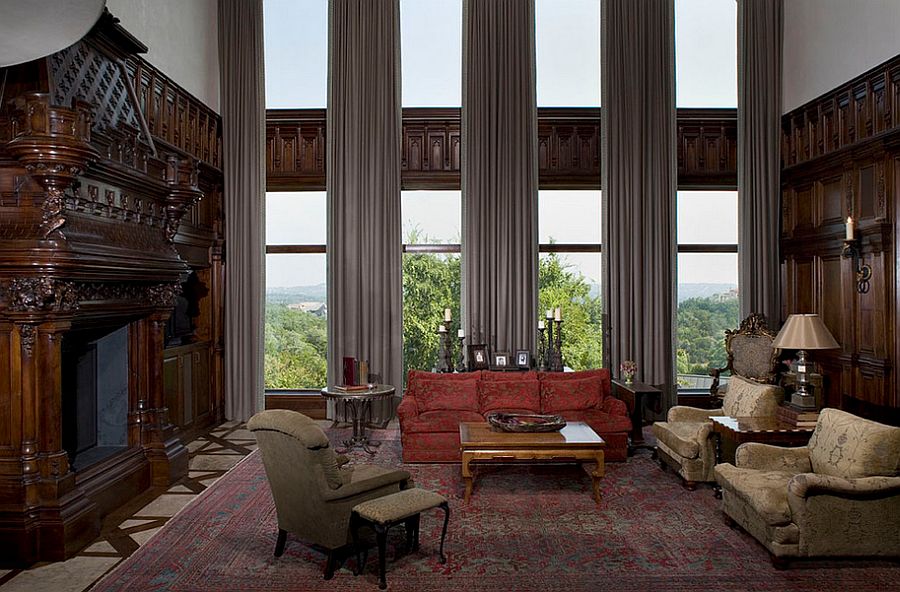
(633,394)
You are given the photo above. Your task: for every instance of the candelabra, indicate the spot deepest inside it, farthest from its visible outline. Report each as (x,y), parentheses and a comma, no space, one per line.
(542,350)
(445,355)
(461,359)
(556,361)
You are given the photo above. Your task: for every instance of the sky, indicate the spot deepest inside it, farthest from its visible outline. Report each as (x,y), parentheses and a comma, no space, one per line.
(431,50)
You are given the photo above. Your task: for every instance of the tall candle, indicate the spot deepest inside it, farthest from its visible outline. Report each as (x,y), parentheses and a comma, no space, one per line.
(549,314)
(558,314)
(447,316)
(540,324)
(442,329)
(460,333)
(851,228)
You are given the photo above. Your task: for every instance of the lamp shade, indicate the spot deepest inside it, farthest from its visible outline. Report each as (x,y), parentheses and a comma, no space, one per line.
(804,331)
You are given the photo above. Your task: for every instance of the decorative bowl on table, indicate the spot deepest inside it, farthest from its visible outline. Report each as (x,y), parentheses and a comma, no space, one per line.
(526,422)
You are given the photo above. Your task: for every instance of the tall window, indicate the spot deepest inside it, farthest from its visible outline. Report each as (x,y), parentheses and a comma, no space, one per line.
(296,48)
(569,271)
(296,314)
(705,53)
(431,52)
(431,271)
(707,282)
(567,51)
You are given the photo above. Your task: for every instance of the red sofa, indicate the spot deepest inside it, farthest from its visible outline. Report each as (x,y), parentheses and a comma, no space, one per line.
(434,405)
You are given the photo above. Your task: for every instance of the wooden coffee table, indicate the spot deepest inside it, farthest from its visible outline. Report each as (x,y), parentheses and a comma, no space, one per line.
(576,442)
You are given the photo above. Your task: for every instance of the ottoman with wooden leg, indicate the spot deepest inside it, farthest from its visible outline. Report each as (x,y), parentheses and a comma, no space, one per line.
(380,514)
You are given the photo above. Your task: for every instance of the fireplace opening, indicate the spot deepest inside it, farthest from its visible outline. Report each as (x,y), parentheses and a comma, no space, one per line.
(95,395)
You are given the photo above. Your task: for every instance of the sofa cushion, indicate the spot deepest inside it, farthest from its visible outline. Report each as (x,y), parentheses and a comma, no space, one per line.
(745,398)
(509,376)
(601,421)
(440,421)
(764,491)
(682,437)
(558,396)
(507,394)
(437,395)
(847,446)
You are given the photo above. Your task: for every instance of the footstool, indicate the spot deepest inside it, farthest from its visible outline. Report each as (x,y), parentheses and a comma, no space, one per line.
(380,514)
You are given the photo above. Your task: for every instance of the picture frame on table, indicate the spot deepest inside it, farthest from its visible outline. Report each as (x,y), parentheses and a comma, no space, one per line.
(479,358)
(523,359)
(501,360)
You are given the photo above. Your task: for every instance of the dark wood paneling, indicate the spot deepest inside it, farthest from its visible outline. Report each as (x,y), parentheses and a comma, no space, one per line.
(840,155)
(312,404)
(568,148)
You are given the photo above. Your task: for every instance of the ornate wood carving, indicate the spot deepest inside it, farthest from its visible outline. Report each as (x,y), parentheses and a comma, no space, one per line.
(33,294)
(568,148)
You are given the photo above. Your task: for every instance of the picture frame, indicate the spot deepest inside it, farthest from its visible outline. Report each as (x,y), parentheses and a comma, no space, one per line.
(479,358)
(501,360)
(523,359)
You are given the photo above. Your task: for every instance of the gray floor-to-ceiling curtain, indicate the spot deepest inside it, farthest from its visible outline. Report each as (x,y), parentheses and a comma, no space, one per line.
(499,174)
(639,182)
(363,180)
(243,149)
(759,163)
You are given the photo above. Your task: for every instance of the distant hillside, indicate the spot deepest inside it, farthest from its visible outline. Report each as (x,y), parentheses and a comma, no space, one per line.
(296,294)
(686,291)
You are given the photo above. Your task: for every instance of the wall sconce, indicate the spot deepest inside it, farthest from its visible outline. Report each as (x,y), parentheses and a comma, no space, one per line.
(852,248)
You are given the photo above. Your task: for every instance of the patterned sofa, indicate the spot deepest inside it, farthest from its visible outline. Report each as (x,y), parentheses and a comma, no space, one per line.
(435,404)
(837,496)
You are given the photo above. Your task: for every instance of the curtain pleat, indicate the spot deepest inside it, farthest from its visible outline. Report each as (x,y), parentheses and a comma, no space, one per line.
(639,183)
(243,149)
(499,174)
(759,157)
(363,180)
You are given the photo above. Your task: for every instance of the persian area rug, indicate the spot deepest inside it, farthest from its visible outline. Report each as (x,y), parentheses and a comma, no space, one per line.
(525,528)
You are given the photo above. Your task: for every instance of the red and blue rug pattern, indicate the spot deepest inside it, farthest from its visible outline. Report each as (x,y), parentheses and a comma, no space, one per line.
(525,528)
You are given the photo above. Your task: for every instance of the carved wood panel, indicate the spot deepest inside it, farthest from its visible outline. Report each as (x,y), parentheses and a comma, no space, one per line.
(568,148)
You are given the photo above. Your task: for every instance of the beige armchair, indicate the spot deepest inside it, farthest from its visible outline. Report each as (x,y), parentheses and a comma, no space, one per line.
(837,496)
(313,488)
(684,441)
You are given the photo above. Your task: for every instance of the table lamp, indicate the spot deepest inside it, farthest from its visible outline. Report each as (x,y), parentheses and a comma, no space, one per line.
(803,332)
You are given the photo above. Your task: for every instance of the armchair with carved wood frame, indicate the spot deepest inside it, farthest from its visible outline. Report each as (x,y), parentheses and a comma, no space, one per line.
(750,354)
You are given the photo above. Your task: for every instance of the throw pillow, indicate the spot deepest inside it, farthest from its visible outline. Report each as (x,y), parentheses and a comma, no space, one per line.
(571,395)
(439,395)
(498,395)
(851,447)
(509,376)
(745,398)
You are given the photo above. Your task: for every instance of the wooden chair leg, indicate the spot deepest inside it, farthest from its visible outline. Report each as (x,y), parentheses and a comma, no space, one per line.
(331,564)
(381,537)
(279,544)
(446,508)
(690,485)
(779,562)
(354,532)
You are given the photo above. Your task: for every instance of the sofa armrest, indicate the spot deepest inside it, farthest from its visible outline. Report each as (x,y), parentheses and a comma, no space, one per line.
(808,484)
(407,409)
(614,406)
(766,457)
(684,413)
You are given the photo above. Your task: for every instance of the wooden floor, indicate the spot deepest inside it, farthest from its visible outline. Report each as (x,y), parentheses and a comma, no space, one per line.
(129,527)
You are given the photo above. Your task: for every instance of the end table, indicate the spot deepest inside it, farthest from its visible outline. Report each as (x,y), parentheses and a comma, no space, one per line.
(633,395)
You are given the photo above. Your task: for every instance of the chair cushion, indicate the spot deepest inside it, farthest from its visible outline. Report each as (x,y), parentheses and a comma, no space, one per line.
(847,446)
(682,437)
(498,395)
(764,491)
(751,355)
(745,398)
(438,395)
(563,395)
(440,421)
(397,506)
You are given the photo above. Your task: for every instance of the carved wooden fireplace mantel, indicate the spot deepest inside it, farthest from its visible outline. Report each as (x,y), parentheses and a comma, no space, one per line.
(101,223)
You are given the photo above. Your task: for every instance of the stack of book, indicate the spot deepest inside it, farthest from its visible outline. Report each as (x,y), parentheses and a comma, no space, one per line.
(801,418)
(356,373)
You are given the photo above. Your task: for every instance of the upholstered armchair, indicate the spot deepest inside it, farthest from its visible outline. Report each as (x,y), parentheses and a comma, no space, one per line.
(837,496)
(750,354)
(314,488)
(685,441)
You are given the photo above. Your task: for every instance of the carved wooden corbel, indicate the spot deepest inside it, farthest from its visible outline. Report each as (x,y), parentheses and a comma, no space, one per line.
(181,175)
(53,143)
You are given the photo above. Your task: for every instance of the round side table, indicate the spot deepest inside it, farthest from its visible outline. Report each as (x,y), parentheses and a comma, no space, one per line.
(359,403)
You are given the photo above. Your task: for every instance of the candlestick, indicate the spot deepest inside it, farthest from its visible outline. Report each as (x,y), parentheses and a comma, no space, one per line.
(447,315)
(851,228)
(558,314)
(540,325)
(442,329)
(549,314)
(461,333)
